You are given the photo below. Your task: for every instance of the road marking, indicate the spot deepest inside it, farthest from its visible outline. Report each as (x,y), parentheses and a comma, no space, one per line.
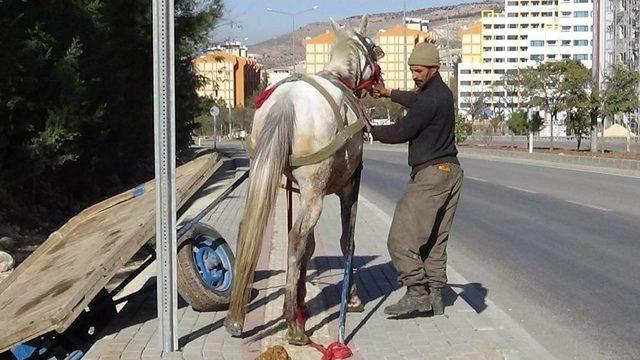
(587,205)
(523,190)
(475,178)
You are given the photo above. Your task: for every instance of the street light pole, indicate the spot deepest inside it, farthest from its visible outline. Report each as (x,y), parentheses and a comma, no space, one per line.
(404,41)
(293,25)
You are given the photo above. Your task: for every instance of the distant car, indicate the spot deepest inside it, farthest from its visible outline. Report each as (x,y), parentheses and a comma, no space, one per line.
(240,134)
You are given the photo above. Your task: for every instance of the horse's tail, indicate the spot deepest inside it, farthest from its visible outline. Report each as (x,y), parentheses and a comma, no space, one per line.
(270,157)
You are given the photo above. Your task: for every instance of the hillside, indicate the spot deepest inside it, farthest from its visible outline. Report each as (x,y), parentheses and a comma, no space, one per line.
(276,51)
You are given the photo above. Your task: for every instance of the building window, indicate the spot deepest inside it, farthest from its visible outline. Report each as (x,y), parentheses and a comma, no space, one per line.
(465,71)
(580,57)
(487,37)
(512,15)
(512,60)
(513,26)
(566,56)
(546,13)
(499,37)
(551,42)
(487,26)
(581,42)
(486,48)
(566,28)
(487,71)
(465,83)
(566,42)
(580,1)
(498,26)
(512,48)
(499,48)
(537,57)
(499,60)
(551,57)
(498,71)
(581,14)
(512,37)
(537,43)
(581,28)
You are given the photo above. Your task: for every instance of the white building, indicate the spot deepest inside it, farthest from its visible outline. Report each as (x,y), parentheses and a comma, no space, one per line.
(526,33)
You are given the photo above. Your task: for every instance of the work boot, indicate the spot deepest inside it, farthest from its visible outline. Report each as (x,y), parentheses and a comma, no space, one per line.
(435,297)
(416,299)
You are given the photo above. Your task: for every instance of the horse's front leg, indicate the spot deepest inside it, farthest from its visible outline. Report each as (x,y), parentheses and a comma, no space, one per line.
(348,211)
(311,207)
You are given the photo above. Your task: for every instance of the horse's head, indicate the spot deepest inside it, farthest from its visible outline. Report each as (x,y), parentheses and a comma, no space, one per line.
(357,56)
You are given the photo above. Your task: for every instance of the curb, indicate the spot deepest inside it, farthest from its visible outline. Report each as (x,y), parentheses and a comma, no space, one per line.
(620,164)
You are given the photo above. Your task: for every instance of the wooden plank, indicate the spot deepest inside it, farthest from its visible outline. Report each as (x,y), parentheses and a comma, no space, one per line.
(53,286)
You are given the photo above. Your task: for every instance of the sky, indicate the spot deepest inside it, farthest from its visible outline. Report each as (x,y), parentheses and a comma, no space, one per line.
(250,22)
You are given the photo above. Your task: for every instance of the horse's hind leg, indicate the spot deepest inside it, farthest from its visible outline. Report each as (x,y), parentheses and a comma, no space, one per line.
(311,207)
(348,210)
(304,265)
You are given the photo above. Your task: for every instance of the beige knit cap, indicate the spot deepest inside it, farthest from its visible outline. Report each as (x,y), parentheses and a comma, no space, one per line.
(425,54)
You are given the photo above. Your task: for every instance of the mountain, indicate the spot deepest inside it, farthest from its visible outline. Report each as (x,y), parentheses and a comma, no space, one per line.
(277,51)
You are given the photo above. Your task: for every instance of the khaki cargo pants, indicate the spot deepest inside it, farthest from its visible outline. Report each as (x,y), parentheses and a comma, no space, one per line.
(419,232)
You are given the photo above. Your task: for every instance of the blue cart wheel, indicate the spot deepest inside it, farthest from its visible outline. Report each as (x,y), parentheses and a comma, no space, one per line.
(213,262)
(205,269)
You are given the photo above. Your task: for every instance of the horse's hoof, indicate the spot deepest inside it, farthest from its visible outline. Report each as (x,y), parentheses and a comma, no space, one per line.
(235,329)
(355,308)
(298,340)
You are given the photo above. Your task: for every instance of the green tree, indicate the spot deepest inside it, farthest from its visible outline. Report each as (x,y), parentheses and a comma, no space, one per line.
(76,97)
(620,94)
(540,88)
(517,123)
(463,128)
(573,88)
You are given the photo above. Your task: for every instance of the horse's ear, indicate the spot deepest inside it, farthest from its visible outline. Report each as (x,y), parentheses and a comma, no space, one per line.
(362,29)
(335,27)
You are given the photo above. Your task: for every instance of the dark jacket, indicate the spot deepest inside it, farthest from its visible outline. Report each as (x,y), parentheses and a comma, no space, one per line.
(428,126)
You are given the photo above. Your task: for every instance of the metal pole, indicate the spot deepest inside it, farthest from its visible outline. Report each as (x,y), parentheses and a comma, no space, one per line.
(165,163)
(215,132)
(595,68)
(293,30)
(404,27)
(229,121)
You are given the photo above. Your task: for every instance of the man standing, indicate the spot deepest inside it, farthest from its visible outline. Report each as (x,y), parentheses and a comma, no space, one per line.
(419,232)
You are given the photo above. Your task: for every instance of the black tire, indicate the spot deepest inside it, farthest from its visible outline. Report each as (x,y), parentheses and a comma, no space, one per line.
(191,285)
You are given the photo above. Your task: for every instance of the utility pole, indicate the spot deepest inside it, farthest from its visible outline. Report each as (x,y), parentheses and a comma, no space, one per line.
(404,27)
(293,27)
(595,68)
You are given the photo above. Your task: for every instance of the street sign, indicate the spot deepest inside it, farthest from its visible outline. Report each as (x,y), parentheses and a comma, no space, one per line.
(487,112)
(214,111)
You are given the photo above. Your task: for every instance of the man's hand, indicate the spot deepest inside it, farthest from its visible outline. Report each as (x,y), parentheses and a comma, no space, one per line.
(379,91)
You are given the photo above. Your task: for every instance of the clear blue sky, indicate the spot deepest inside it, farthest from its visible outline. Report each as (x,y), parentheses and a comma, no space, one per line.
(250,19)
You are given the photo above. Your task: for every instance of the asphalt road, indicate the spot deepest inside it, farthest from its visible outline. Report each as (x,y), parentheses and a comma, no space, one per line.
(558,250)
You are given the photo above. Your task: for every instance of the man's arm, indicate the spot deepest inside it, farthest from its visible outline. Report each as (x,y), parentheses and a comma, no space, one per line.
(408,127)
(404,98)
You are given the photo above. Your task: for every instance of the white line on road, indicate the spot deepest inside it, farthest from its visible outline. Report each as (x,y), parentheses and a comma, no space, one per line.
(523,190)
(587,205)
(475,178)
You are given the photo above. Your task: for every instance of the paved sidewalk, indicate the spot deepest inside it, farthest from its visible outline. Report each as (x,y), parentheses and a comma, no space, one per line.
(472,328)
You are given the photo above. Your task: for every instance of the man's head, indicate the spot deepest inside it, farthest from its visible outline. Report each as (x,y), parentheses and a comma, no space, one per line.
(424,63)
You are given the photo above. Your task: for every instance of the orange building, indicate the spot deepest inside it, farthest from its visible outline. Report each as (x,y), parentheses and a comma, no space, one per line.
(318,51)
(393,62)
(229,77)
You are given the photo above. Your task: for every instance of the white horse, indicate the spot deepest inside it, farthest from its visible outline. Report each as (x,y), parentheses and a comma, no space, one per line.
(297,120)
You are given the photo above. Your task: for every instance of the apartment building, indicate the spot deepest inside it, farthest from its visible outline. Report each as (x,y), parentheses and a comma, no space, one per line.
(526,33)
(229,77)
(318,50)
(392,41)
